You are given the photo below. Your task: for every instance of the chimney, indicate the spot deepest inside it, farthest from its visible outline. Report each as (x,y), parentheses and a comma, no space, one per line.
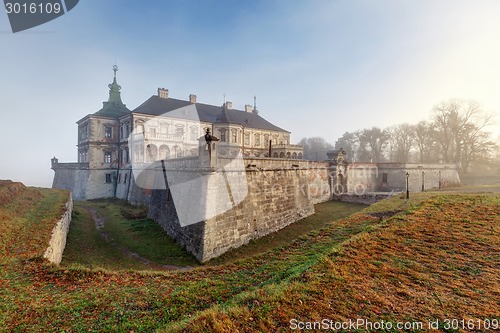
(248,108)
(229,105)
(192,99)
(162,93)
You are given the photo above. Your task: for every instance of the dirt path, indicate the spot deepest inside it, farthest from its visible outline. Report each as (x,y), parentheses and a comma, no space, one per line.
(99,225)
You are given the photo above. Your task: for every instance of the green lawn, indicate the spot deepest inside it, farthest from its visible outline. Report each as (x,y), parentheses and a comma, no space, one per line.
(435,259)
(129,230)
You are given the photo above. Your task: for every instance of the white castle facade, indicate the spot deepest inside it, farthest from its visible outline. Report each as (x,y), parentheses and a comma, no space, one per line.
(161,128)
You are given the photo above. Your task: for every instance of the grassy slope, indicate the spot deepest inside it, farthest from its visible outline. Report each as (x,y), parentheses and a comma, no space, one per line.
(439,257)
(126,227)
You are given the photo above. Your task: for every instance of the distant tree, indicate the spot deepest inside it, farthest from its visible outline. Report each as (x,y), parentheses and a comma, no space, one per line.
(349,142)
(315,148)
(363,152)
(401,142)
(425,142)
(459,130)
(456,134)
(372,142)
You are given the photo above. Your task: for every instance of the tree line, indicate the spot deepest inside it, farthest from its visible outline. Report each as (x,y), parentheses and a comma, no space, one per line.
(455,133)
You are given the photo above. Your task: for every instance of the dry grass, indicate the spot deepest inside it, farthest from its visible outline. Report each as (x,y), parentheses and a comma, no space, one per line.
(438,258)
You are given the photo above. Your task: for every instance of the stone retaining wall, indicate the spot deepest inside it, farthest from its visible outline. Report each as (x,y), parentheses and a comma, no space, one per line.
(57,242)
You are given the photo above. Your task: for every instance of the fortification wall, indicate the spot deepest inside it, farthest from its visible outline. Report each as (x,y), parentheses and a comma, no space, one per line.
(57,242)
(391,177)
(96,186)
(68,177)
(162,210)
(266,196)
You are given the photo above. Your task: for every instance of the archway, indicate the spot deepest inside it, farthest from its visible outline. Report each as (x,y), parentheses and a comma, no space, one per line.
(151,153)
(164,152)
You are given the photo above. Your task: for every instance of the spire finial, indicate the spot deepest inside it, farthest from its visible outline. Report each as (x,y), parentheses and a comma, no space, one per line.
(255,105)
(114,89)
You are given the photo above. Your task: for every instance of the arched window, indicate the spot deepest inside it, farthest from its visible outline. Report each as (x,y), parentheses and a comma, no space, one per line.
(164,152)
(151,153)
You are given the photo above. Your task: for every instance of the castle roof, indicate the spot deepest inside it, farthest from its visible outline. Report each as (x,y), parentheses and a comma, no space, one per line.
(169,107)
(114,107)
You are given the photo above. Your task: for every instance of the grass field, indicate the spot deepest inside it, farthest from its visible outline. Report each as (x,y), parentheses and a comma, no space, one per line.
(434,257)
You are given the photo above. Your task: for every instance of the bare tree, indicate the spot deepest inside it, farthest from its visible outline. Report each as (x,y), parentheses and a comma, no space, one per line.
(401,142)
(456,134)
(459,129)
(425,141)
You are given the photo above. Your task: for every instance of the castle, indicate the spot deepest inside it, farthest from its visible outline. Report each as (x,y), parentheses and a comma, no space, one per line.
(215,177)
(161,128)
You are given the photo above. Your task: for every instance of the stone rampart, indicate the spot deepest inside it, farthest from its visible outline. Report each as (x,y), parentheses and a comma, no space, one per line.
(57,242)
(274,193)
(231,206)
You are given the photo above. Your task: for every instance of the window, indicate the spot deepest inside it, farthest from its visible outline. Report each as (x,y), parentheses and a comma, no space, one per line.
(257,139)
(108,132)
(247,139)
(121,132)
(164,128)
(194,134)
(222,135)
(127,156)
(107,157)
(179,130)
(125,179)
(234,136)
(119,178)
(108,178)
(384,178)
(127,130)
(152,132)
(140,127)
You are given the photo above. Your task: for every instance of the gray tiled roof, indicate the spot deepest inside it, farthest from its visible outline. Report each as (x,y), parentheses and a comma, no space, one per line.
(157,106)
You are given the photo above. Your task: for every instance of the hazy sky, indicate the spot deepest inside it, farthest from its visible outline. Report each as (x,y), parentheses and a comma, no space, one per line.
(318,68)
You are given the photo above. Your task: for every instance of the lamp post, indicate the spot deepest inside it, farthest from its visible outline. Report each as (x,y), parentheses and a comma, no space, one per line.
(407,187)
(423,180)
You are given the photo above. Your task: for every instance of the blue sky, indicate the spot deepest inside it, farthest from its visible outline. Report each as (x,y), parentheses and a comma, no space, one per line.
(318,68)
